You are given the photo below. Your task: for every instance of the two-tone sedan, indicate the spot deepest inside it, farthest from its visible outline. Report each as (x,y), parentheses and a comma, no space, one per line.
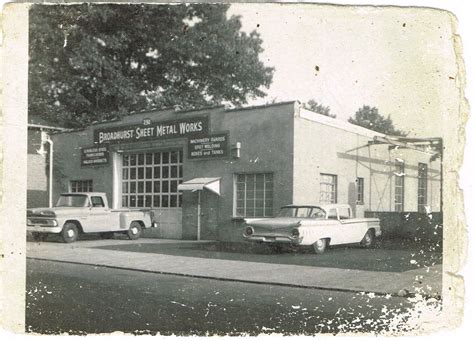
(316,226)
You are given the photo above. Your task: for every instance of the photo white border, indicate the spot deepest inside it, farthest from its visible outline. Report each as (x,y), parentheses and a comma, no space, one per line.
(463,12)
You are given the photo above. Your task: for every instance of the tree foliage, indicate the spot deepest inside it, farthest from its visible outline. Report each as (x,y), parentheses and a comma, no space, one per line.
(318,108)
(94,62)
(369,117)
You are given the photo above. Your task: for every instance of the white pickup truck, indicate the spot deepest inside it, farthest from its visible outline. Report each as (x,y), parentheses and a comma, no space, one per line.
(77,213)
(316,226)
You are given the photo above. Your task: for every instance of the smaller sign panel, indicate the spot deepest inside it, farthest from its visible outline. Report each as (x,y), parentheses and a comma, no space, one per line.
(93,156)
(212,146)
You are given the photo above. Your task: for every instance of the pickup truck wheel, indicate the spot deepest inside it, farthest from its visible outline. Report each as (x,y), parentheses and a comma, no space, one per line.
(69,233)
(320,246)
(368,239)
(135,231)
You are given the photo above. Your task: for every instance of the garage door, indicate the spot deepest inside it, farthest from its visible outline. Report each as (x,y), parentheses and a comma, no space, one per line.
(150,180)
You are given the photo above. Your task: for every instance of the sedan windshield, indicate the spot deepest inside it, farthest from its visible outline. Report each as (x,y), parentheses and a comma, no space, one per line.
(302,212)
(74,200)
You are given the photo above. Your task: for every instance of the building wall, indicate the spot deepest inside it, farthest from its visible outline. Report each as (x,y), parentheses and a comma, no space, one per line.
(321,148)
(37,172)
(280,139)
(265,135)
(266,138)
(67,164)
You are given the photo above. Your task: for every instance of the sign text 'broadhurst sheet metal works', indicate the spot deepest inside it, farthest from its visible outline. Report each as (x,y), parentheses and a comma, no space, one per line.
(185,127)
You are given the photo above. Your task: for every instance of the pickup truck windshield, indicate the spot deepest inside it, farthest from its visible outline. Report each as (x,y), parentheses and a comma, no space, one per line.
(302,212)
(74,200)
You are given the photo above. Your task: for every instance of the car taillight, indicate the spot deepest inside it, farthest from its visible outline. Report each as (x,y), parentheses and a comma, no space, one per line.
(248,231)
(295,233)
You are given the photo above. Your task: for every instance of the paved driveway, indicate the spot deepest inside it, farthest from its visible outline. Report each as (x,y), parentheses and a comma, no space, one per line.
(354,257)
(378,270)
(386,255)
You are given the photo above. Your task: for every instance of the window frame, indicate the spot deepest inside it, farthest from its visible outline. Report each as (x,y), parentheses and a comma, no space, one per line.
(75,185)
(268,210)
(333,192)
(422,192)
(360,188)
(95,204)
(399,205)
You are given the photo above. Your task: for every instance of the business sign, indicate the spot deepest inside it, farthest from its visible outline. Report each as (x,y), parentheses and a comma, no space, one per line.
(212,146)
(191,127)
(93,156)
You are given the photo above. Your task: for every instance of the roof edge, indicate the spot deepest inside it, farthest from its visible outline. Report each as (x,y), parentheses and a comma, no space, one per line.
(262,106)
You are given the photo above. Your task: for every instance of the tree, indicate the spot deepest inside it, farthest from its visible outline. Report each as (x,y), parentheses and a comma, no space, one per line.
(95,62)
(369,117)
(318,108)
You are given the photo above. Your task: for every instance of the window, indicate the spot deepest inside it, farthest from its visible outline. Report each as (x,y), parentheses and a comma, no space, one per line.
(80,186)
(332,213)
(151,179)
(399,186)
(97,201)
(360,191)
(303,212)
(422,186)
(328,189)
(73,200)
(254,195)
(344,213)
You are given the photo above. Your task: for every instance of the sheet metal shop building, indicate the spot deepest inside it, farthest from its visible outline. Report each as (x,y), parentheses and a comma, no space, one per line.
(202,171)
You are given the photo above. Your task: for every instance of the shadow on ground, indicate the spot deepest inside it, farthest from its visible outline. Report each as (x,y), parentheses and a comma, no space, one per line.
(383,257)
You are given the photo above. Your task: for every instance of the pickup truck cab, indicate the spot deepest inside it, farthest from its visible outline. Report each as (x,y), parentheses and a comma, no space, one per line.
(313,225)
(77,213)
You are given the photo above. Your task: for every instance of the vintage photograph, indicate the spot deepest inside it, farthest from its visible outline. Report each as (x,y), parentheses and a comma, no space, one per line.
(239,169)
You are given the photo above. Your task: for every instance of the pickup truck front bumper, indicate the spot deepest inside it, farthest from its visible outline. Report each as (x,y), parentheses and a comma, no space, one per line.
(44,225)
(43,229)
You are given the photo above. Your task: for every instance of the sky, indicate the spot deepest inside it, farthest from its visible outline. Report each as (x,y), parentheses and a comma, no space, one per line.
(399,60)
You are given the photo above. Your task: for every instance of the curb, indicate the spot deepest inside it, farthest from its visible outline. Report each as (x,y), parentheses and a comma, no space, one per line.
(223,279)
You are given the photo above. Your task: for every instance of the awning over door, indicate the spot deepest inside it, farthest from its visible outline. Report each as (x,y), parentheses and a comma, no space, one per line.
(198,184)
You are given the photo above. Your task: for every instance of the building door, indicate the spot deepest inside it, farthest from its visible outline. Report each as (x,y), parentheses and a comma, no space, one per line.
(150,180)
(209,207)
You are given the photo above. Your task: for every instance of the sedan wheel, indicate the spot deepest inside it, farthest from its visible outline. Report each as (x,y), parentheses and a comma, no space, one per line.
(368,239)
(320,246)
(69,233)
(135,231)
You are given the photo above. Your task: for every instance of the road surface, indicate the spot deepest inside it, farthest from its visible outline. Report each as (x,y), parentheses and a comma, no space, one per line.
(78,299)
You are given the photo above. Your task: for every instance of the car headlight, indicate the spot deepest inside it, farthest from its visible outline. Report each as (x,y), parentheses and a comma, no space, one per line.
(248,231)
(48,214)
